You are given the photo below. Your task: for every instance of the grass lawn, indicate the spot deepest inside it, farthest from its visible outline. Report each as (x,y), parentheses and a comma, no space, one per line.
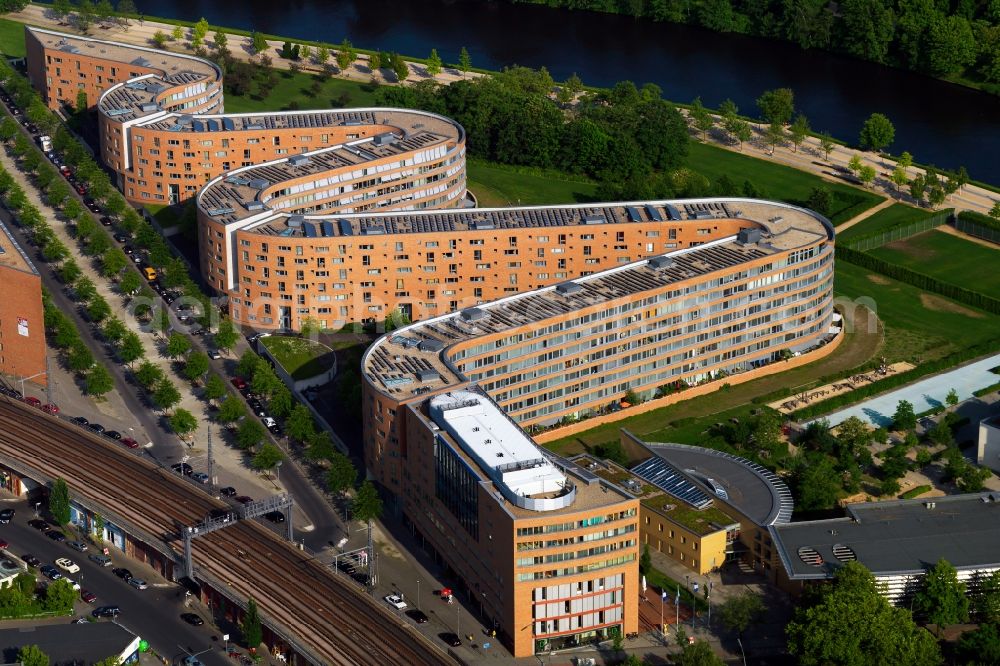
(295,88)
(300,357)
(11,38)
(884,219)
(948,258)
(777,181)
(918,325)
(164,215)
(496,186)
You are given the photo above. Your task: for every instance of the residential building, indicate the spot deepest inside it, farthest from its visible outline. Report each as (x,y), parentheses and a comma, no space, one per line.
(22,322)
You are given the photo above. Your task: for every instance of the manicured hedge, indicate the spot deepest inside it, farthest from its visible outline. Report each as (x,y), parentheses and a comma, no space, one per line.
(978,218)
(920,280)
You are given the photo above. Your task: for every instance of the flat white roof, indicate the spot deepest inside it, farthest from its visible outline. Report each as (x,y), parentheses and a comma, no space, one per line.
(510,458)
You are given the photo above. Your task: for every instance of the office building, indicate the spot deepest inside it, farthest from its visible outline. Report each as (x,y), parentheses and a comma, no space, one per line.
(22,322)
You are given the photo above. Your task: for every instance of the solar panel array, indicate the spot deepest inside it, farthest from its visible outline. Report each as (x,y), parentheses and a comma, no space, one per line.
(669,479)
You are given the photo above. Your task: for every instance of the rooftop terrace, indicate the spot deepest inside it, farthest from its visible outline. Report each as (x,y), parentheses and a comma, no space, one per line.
(411,361)
(11,254)
(896,537)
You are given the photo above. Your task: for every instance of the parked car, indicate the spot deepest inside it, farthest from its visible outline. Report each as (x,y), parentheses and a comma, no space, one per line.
(31,560)
(6,516)
(239,383)
(451,639)
(138,583)
(418,616)
(182,468)
(106,611)
(228,491)
(4,545)
(96,427)
(39,525)
(113,434)
(88,597)
(243,499)
(33,401)
(100,560)
(129,442)
(91,205)
(80,189)
(200,477)
(192,619)
(50,572)
(122,573)
(214,354)
(56,536)
(81,420)
(78,546)
(67,564)
(395,601)
(49,408)
(275,516)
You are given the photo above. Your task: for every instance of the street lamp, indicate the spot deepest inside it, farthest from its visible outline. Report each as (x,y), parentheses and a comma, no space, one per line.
(740,643)
(708,598)
(24,379)
(418,594)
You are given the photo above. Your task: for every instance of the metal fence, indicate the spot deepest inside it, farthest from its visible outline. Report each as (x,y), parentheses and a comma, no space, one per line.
(977,230)
(870,242)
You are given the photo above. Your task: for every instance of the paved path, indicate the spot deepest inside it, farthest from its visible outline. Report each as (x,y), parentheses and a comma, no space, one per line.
(864,215)
(924,394)
(948,229)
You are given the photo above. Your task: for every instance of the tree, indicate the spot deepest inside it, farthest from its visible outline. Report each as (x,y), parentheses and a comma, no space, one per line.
(226,336)
(305,51)
(987,602)
(166,395)
(320,446)
(220,40)
(248,364)
(148,374)
(868,28)
(826,144)
(84,15)
(322,54)
(899,178)
(200,29)
(904,418)
(127,8)
(995,210)
(434,63)
(79,359)
(177,33)
(798,131)
(698,653)
(950,45)
(867,175)
(104,11)
(59,597)
(129,283)
(776,106)
(183,422)
(399,67)
(981,646)
(32,655)
(259,43)
(918,187)
(195,365)
(775,135)
(59,502)
(942,598)
(464,62)
(113,262)
(740,129)
(820,200)
(815,482)
(737,613)
(130,349)
(231,409)
(250,627)
(367,504)
(81,101)
(855,164)
(952,398)
(853,624)
(346,55)
(877,133)
(177,345)
(265,382)
(98,381)
(249,434)
(215,388)
(905,160)
(300,423)
(62,9)
(702,117)
(281,401)
(645,560)
(267,457)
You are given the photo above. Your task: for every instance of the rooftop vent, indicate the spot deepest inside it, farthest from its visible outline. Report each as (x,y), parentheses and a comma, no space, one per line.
(384,138)
(594,219)
(660,263)
(298,160)
(748,236)
(482,225)
(184,120)
(237,180)
(253,205)
(473,314)
(430,345)
(295,221)
(221,210)
(148,107)
(118,112)
(809,555)
(258,183)
(373,230)
(141,62)
(568,288)
(844,553)
(428,375)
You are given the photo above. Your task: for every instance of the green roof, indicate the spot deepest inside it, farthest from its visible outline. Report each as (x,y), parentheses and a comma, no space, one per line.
(700,522)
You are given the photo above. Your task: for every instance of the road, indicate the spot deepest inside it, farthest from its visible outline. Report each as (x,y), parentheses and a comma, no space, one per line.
(153,614)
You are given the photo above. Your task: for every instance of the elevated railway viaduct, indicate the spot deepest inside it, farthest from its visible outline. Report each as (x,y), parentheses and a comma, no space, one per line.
(315,617)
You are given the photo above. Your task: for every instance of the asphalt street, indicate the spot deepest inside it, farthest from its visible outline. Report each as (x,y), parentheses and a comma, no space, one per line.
(153,613)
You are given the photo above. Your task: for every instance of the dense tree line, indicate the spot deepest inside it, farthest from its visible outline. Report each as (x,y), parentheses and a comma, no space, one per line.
(626,137)
(937,37)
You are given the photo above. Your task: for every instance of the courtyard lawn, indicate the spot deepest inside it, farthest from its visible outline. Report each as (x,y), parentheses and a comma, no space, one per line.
(11,38)
(919,326)
(947,257)
(885,218)
(777,181)
(301,358)
(293,91)
(497,186)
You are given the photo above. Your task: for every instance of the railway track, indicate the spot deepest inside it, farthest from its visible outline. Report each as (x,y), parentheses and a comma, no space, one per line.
(292,590)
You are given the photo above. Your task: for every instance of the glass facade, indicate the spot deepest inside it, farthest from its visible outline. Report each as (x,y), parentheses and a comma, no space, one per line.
(455,485)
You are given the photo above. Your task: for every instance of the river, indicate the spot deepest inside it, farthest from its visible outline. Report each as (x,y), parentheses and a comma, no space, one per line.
(940,123)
